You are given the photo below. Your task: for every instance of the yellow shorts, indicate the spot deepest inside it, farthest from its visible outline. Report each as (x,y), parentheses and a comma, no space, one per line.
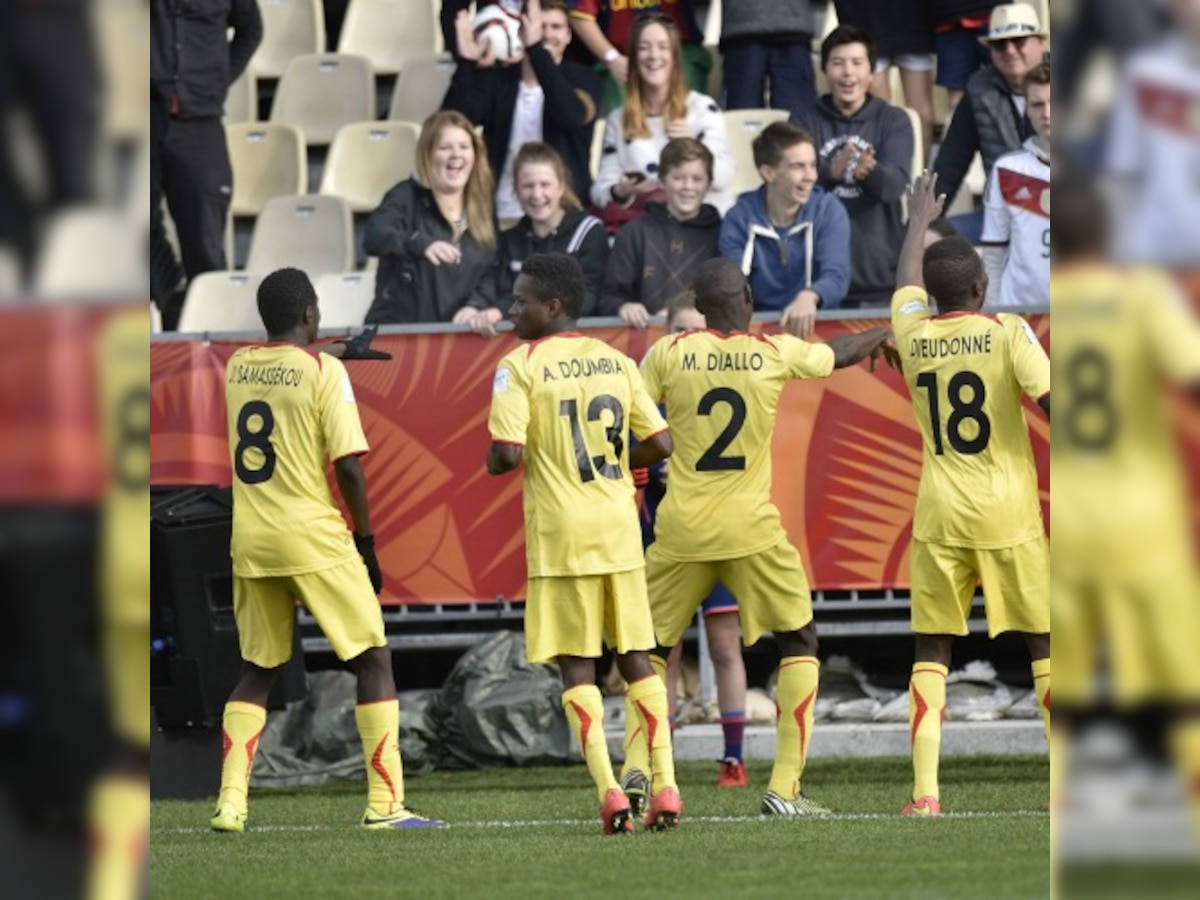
(1148,625)
(127,664)
(576,615)
(771,588)
(340,598)
(1016,587)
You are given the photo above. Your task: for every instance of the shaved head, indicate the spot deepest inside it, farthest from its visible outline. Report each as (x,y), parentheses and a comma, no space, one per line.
(720,287)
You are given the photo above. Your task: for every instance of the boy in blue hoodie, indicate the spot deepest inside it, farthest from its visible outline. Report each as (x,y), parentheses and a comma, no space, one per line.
(790,237)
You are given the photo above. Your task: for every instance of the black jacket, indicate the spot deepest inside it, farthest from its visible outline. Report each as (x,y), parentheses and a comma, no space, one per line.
(655,257)
(488,96)
(579,234)
(874,205)
(948,11)
(408,287)
(987,120)
(192,60)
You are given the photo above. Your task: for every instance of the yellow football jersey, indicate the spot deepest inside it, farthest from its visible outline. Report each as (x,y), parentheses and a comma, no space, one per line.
(721,392)
(1119,491)
(124,396)
(572,401)
(290,409)
(965,372)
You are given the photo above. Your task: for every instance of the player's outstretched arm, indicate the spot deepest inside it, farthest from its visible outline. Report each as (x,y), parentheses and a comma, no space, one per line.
(851,349)
(653,449)
(353,486)
(357,347)
(924,206)
(503,458)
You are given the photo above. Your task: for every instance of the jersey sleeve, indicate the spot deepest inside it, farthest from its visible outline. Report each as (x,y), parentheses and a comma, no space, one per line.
(508,420)
(997,217)
(644,418)
(802,359)
(910,307)
(652,369)
(338,408)
(1173,331)
(1030,363)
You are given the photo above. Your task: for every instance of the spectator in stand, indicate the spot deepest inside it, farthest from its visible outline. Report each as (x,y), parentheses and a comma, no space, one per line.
(864,149)
(607,30)
(958,27)
(655,257)
(991,117)
(903,35)
(435,234)
(544,98)
(765,40)
(193,61)
(554,221)
(1016,210)
(658,107)
(790,237)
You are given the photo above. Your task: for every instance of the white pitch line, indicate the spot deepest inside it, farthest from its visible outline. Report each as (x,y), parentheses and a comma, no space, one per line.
(546,823)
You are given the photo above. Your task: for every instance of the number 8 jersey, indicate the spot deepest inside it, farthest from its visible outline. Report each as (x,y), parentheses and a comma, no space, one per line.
(721,392)
(966,372)
(571,402)
(289,409)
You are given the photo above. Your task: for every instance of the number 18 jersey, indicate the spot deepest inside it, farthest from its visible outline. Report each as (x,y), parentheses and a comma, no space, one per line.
(966,372)
(721,392)
(289,410)
(571,402)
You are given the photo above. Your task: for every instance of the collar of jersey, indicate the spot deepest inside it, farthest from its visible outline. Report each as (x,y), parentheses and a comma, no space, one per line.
(557,334)
(959,313)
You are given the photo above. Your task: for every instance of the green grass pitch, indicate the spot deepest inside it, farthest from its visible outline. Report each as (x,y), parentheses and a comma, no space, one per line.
(532,833)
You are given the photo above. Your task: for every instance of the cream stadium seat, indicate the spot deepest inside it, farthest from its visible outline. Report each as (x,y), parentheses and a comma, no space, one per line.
(290,28)
(345,298)
(268,160)
(421,87)
(742,126)
(312,232)
(388,31)
(222,301)
(367,159)
(321,92)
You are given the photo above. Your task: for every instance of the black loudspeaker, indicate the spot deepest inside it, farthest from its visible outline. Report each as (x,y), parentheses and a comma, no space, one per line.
(194,657)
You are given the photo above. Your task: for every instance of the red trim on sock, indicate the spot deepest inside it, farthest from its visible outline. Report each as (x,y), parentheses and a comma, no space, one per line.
(799,716)
(640,680)
(922,709)
(226,746)
(251,746)
(651,723)
(585,725)
(379,767)
(1040,677)
(802,659)
(929,672)
(633,736)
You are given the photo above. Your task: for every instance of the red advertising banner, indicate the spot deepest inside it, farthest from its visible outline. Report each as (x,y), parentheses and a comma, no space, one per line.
(847,459)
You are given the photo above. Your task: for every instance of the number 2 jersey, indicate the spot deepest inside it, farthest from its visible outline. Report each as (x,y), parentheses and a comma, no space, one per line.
(721,393)
(571,402)
(966,372)
(289,409)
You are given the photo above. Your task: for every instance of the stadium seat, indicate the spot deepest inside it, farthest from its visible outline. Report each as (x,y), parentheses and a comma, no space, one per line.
(345,298)
(241,100)
(917,163)
(222,301)
(93,253)
(290,28)
(367,159)
(388,31)
(313,232)
(422,85)
(123,42)
(268,160)
(321,92)
(597,148)
(741,128)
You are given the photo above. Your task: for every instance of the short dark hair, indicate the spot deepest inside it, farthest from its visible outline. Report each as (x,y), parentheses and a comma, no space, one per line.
(776,139)
(951,267)
(557,275)
(684,150)
(560,5)
(943,226)
(847,34)
(1080,224)
(283,296)
(1039,74)
(718,281)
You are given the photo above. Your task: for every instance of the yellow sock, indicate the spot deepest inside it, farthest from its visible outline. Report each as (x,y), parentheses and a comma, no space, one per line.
(795,696)
(119,821)
(379,727)
(241,727)
(926,706)
(649,699)
(1041,686)
(637,747)
(585,715)
(1185,750)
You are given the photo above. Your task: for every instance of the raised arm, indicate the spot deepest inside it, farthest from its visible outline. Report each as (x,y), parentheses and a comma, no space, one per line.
(924,206)
(851,349)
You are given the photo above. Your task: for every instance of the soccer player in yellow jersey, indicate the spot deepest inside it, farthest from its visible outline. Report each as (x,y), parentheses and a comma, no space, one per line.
(1125,573)
(978,515)
(716,523)
(291,408)
(565,404)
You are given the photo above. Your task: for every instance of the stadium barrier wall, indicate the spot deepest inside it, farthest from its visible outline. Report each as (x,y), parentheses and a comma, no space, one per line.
(846,456)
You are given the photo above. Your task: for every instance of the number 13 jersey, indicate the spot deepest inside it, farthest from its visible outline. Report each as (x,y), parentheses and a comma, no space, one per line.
(966,372)
(571,402)
(289,410)
(721,392)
